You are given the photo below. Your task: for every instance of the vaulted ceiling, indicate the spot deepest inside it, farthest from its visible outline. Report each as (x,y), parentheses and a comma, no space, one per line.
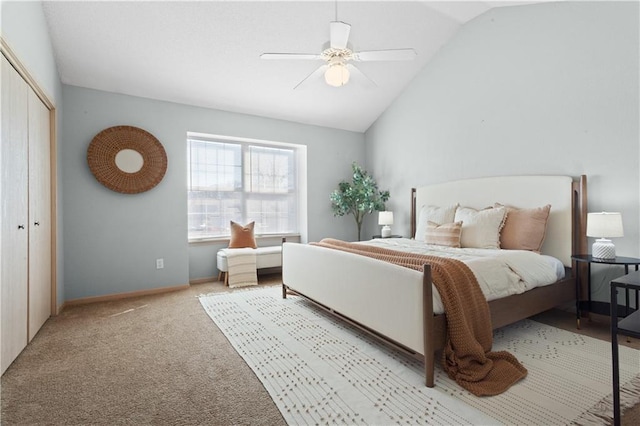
(207,53)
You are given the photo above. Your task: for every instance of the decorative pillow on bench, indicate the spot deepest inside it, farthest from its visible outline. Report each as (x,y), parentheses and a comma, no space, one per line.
(242,236)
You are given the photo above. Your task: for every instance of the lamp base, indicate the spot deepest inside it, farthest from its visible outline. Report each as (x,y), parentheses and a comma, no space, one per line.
(603,249)
(386,231)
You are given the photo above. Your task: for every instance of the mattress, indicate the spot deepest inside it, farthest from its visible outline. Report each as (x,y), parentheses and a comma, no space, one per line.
(500,273)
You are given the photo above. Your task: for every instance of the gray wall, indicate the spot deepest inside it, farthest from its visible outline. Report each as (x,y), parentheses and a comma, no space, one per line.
(112,240)
(537,89)
(24,28)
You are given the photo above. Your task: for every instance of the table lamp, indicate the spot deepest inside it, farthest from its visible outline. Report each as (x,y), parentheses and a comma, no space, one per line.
(602,226)
(386,219)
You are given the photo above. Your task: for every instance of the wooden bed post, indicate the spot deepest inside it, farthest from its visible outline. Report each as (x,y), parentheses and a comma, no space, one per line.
(427,307)
(579,233)
(580,216)
(429,329)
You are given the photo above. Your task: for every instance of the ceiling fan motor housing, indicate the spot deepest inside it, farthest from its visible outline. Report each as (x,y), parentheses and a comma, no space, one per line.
(332,53)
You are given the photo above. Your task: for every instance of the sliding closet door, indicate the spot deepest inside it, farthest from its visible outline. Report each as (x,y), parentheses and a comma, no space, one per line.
(15,226)
(39,215)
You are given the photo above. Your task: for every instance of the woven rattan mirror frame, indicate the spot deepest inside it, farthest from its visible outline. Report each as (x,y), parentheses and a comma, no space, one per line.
(101,156)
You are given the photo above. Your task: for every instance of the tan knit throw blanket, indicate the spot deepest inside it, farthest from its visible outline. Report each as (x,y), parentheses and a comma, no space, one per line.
(467,356)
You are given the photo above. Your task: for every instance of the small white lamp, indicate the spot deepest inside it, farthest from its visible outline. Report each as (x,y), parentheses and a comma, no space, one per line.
(386,219)
(602,226)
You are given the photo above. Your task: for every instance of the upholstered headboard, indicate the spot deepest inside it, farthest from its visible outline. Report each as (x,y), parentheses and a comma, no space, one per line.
(523,192)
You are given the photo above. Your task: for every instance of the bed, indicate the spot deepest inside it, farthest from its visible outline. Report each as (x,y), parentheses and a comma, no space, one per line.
(396,304)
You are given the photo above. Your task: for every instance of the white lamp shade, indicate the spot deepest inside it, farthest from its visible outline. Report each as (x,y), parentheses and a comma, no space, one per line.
(604,225)
(336,75)
(385,218)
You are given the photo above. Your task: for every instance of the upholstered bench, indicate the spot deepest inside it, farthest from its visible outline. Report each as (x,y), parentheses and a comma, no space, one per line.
(266,257)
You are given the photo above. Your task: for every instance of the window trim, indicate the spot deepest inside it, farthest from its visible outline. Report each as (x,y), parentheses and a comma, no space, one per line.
(300,153)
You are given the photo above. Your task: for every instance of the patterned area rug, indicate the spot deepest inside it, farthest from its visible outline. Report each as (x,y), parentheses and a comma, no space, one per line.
(320,370)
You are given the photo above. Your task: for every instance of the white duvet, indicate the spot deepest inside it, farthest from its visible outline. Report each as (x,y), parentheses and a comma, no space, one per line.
(500,273)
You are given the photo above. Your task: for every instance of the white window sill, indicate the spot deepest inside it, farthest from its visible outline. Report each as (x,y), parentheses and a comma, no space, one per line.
(218,240)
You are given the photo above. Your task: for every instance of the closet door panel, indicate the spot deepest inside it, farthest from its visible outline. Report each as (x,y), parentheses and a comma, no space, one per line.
(15,226)
(39,215)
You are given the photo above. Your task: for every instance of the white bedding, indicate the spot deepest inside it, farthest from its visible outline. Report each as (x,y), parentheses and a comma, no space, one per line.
(500,273)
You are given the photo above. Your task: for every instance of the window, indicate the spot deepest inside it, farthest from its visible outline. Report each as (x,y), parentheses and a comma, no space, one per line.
(243,181)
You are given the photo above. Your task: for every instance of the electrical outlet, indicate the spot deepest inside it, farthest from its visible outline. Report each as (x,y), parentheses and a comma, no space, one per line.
(159,263)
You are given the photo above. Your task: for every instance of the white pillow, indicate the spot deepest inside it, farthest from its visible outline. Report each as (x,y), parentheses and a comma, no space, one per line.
(480,228)
(435,214)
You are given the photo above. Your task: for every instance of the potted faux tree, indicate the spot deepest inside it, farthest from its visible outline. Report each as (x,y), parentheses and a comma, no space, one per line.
(358,197)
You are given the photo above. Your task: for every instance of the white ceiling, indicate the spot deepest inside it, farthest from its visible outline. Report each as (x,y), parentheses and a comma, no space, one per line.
(207,53)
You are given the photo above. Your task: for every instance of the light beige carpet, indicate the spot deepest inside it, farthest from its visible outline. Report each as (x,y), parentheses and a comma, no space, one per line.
(152,360)
(156,360)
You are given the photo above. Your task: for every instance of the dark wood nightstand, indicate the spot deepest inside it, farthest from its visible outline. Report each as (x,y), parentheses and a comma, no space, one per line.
(588,259)
(629,326)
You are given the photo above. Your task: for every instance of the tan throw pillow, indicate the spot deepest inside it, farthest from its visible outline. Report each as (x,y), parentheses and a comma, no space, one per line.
(480,228)
(435,214)
(242,236)
(525,229)
(447,234)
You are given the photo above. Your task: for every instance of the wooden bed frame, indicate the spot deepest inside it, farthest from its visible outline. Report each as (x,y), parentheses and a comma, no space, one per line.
(299,265)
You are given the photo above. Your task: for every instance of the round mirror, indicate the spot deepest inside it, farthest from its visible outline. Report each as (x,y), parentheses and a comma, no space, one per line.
(129,161)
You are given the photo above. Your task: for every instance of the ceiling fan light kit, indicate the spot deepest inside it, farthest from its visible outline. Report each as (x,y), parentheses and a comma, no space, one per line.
(337,74)
(337,68)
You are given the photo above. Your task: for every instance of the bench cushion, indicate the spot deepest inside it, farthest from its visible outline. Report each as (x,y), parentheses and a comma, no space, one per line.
(266,257)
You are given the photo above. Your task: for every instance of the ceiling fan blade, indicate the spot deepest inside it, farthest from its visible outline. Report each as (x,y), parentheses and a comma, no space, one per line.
(314,75)
(339,34)
(290,56)
(385,55)
(361,77)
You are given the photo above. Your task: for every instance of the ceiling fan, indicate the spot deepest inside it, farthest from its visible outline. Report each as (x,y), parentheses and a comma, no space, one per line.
(338,57)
